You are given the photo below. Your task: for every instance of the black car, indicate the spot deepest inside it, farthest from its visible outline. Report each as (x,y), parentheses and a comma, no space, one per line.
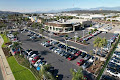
(113,70)
(83,54)
(106,77)
(51,47)
(62,46)
(66,55)
(59,45)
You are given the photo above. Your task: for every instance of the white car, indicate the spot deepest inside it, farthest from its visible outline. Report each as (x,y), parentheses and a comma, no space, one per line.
(92,59)
(38,63)
(56,50)
(30,59)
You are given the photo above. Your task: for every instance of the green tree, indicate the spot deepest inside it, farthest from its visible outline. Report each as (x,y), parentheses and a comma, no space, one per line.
(46,28)
(41,31)
(66,35)
(99,43)
(77,75)
(17,45)
(15,33)
(90,25)
(103,43)
(95,29)
(78,38)
(44,74)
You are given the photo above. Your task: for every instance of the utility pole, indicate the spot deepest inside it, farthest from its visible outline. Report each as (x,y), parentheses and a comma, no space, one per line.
(76,35)
(83,33)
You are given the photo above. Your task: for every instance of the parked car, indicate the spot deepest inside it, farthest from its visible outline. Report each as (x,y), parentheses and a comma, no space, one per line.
(31,57)
(38,63)
(59,52)
(83,54)
(87,57)
(80,62)
(59,45)
(62,53)
(107,77)
(86,65)
(66,55)
(51,47)
(35,59)
(54,49)
(71,57)
(92,59)
(78,53)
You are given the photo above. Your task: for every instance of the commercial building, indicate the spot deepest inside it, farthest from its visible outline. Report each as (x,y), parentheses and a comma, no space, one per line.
(63,26)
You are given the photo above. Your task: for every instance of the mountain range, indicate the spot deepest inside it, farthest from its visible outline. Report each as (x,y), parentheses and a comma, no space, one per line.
(74,9)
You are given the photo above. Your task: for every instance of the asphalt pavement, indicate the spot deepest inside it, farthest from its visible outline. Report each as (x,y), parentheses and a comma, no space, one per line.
(61,65)
(87,48)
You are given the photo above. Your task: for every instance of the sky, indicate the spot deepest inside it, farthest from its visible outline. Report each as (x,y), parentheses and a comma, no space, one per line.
(46,5)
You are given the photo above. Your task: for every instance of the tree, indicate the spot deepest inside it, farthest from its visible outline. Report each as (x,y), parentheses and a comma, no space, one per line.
(103,42)
(78,38)
(77,75)
(92,30)
(16,45)
(66,35)
(91,52)
(15,33)
(41,31)
(90,25)
(44,74)
(97,44)
(46,28)
(95,29)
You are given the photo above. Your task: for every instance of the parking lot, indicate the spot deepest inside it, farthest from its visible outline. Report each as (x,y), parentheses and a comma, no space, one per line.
(86,48)
(113,68)
(59,63)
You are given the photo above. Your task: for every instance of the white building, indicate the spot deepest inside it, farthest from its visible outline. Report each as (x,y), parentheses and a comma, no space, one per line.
(67,26)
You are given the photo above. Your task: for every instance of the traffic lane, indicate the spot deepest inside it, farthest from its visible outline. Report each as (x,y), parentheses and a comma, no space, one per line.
(56,61)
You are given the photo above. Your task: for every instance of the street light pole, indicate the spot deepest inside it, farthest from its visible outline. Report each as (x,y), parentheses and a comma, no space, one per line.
(76,36)
(83,33)
(50,35)
(66,44)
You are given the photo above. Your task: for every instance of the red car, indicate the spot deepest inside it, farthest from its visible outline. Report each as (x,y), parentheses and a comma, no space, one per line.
(78,53)
(71,57)
(81,62)
(35,59)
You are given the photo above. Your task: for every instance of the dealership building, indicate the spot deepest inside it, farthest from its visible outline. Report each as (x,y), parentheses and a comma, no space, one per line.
(68,26)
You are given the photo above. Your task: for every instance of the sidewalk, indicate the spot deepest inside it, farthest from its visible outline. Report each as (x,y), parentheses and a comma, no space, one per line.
(5,68)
